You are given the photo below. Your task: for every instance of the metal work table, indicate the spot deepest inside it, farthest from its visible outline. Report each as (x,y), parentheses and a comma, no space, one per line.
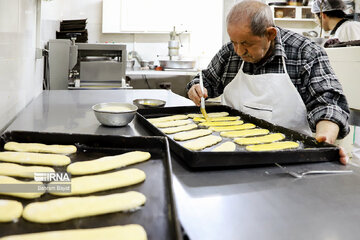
(250,203)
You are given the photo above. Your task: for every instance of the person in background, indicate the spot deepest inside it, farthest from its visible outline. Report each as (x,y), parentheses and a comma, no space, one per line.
(275,74)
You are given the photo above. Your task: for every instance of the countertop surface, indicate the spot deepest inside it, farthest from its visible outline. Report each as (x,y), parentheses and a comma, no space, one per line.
(167,72)
(248,203)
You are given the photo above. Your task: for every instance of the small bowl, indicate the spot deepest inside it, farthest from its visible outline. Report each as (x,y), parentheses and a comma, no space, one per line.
(149,103)
(114,114)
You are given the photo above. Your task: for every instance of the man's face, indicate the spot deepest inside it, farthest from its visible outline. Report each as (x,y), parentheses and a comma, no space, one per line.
(249,47)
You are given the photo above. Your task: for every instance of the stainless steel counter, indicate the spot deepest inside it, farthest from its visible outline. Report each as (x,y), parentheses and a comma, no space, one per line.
(251,203)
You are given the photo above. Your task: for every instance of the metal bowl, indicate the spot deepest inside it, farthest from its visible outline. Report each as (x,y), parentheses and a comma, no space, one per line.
(149,103)
(177,64)
(114,114)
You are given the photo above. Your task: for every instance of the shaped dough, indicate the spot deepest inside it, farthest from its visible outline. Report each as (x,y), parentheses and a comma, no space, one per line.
(216,119)
(131,231)
(172,130)
(168,118)
(63,209)
(273,146)
(101,182)
(16,170)
(202,142)
(107,163)
(175,123)
(211,115)
(225,147)
(35,158)
(10,210)
(39,147)
(257,140)
(233,128)
(9,180)
(183,136)
(217,124)
(244,133)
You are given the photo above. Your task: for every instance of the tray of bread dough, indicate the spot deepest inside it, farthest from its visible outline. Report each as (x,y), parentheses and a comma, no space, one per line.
(231,138)
(120,187)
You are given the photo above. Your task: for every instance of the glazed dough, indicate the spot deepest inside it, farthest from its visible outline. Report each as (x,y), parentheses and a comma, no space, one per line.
(175,123)
(216,119)
(28,195)
(233,128)
(202,142)
(107,163)
(210,115)
(244,133)
(172,130)
(273,146)
(183,136)
(35,158)
(217,124)
(101,182)
(225,147)
(16,170)
(63,209)
(257,140)
(168,118)
(131,231)
(39,147)
(10,210)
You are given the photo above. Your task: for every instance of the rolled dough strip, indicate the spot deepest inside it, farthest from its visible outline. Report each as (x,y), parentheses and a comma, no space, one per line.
(225,147)
(244,133)
(168,118)
(107,163)
(175,123)
(39,147)
(35,158)
(63,209)
(131,231)
(218,124)
(202,142)
(172,130)
(183,136)
(233,128)
(101,182)
(28,195)
(211,115)
(16,170)
(10,210)
(257,140)
(273,146)
(216,119)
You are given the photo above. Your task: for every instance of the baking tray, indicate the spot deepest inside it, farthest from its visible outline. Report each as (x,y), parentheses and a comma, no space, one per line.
(157,216)
(310,150)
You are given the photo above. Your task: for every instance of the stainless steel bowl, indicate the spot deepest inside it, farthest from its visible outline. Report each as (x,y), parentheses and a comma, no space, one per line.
(114,117)
(149,103)
(177,64)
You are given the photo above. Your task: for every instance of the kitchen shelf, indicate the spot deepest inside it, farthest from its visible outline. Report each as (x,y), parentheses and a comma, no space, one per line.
(293,13)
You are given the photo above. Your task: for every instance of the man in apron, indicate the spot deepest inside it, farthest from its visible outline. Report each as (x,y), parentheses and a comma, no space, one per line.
(276,75)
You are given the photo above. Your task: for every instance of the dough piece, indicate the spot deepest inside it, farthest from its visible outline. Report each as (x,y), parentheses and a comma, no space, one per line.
(233,128)
(101,182)
(10,210)
(244,133)
(39,147)
(225,147)
(211,115)
(273,146)
(202,142)
(257,140)
(131,231)
(183,136)
(16,170)
(175,123)
(172,130)
(35,158)
(218,124)
(63,209)
(216,119)
(28,195)
(168,118)
(107,163)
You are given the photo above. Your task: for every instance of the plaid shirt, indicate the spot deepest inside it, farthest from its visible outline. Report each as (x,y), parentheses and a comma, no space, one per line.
(308,67)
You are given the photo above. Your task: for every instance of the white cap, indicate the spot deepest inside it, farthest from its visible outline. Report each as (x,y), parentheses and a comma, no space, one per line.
(327,5)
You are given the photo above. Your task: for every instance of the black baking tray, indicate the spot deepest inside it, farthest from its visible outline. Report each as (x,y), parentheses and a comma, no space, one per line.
(310,150)
(158,215)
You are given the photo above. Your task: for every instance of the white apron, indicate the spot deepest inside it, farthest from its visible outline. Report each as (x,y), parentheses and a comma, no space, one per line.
(271,97)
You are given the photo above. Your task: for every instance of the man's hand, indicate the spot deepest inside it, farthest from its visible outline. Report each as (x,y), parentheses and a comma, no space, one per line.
(327,131)
(195,94)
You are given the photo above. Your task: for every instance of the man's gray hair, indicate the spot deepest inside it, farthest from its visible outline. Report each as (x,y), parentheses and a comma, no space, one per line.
(254,13)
